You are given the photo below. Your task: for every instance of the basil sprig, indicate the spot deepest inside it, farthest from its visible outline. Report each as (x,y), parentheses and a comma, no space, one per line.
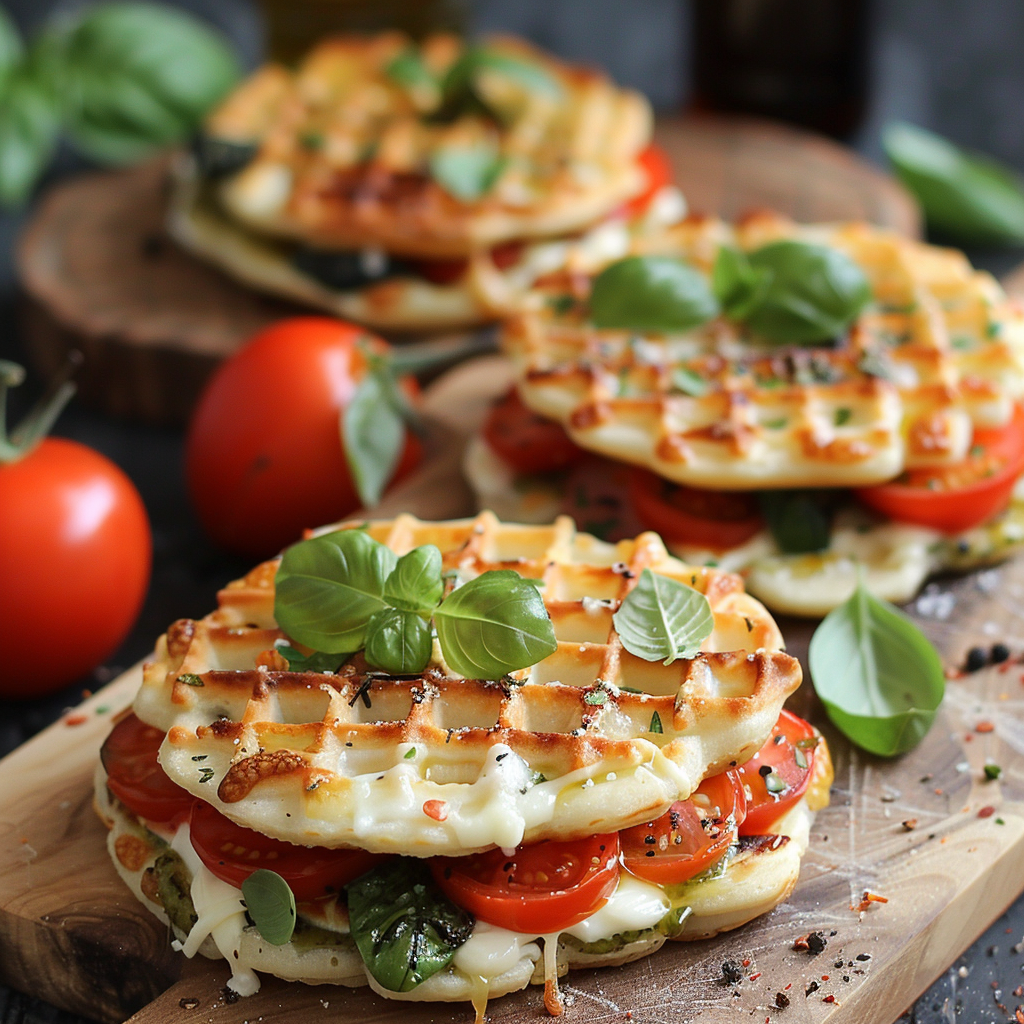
(880,679)
(973,199)
(467,172)
(405,928)
(344,591)
(663,620)
(271,905)
(800,521)
(791,292)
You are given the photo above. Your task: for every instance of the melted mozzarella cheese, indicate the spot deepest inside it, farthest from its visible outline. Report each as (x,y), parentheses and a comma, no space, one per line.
(491,951)
(633,906)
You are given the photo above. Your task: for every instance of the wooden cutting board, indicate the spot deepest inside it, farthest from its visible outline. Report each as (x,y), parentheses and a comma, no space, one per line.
(101,274)
(71,933)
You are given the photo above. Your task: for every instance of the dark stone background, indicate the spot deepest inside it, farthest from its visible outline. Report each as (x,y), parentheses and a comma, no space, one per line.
(956,66)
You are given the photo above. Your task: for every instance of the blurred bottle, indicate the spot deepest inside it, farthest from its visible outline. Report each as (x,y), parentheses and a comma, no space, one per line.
(293,26)
(802,61)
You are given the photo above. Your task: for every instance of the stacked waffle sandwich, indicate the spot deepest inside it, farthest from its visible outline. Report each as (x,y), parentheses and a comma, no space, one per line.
(834,399)
(449,759)
(419,186)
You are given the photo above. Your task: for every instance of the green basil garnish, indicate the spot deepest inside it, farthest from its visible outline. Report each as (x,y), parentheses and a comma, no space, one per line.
(461,87)
(689,382)
(880,679)
(493,625)
(405,928)
(409,71)
(973,199)
(799,520)
(398,642)
(271,905)
(315,662)
(416,584)
(467,172)
(651,293)
(663,620)
(791,292)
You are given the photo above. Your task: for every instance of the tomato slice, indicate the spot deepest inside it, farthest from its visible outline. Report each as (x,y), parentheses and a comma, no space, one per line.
(960,496)
(691,515)
(690,836)
(654,162)
(542,888)
(776,777)
(233,853)
(527,442)
(444,272)
(135,777)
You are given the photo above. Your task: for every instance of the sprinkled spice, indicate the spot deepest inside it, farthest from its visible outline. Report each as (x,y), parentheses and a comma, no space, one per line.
(999,653)
(992,771)
(976,659)
(985,726)
(781,1000)
(986,812)
(436,809)
(867,899)
(813,987)
(75,720)
(188,1003)
(732,973)
(910,824)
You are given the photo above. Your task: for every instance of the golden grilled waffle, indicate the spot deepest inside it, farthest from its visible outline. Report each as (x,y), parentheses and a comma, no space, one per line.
(938,351)
(591,739)
(345,146)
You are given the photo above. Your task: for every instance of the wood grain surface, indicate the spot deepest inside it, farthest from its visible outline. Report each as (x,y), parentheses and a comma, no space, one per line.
(102,275)
(72,933)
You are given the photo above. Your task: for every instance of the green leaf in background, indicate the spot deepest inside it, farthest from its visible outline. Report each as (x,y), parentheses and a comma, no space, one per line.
(493,625)
(271,905)
(405,928)
(28,135)
(880,679)
(416,584)
(372,436)
(398,642)
(467,172)
(10,44)
(972,199)
(139,76)
(315,662)
(328,588)
(663,620)
(651,293)
(797,520)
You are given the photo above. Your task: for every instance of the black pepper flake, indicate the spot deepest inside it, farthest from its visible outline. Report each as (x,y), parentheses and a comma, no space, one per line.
(999,653)
(813,987)
(781,1000)
(229,996)
(188,1003)
(816,943)
(732,973)
(650,840)
(976,659)
(838,963)
(501,757)
(649,853)
(764,771)
(863,957)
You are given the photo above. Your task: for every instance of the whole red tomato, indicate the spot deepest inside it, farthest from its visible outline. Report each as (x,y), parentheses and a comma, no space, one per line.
(264,457)
(75,553)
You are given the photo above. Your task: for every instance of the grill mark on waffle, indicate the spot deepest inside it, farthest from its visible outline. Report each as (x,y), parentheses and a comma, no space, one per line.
(247,773)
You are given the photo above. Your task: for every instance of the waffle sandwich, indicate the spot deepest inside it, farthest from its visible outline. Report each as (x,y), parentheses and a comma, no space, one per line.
(918,398)
(578,810)
(418,186)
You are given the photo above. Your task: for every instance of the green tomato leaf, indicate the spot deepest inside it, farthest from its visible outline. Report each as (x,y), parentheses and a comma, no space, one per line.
(372,436)
(973,199)
(405,928)
(467,172)
(493,625)
(651,293)
(879,678)
(416,584)
(809,293)
(315,662)
(398,642)
(663,620)
(271,905)
(798,520)
(329,587)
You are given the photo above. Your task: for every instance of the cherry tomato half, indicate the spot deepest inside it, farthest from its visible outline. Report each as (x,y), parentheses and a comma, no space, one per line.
(233,853)
(135,777)
(655,164)
(690,836)
(264,456)
(778,774)
(527,442)
(542,888)
(75,553)
(691,515)
(957,497)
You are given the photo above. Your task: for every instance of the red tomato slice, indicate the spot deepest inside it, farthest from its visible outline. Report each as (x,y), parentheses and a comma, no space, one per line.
(691,515)
(135,777)
(957,497)
(542,888)
(655,164)
(233,853)
(444,272)
(776,777)
(527,442)
(690,836)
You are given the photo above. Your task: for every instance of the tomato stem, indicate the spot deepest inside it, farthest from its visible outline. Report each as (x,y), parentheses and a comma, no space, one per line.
(37,423)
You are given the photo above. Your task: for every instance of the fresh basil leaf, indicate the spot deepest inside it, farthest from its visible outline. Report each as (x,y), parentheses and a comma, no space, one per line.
(271,905)
(493,625)
(315,662)
(328,588)
(689,382)
(971,198)
(398,642)
(798,520)
(651,293)
(663,620)
(10,44)
(372,436)
(138,76)
(405,928)
(416,584)
(467,172)
(409,71)
(813,292)
(460,88)
(29,124)
(879,678)
(736,284)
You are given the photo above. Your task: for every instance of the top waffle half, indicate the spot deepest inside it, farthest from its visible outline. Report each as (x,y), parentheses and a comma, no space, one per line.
(347,145)
(589,740)
(938,351)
